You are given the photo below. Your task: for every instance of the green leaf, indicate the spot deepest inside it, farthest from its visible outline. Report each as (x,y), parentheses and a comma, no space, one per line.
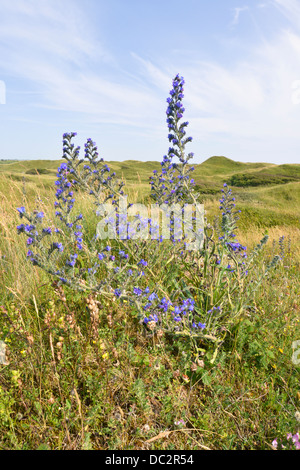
(43,447)
(87,444)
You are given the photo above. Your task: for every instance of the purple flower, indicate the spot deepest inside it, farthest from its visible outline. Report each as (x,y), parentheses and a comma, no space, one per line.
(177,319)
(71,263)
(63,167)
(117,292)
(123,254)
(73,260)
(21,210)
(143,262)
(165,304)
(151,318)
(137,291)
(21,228)
(152,297)
(58,246)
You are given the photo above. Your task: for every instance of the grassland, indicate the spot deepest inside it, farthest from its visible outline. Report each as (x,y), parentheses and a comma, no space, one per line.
(66,388)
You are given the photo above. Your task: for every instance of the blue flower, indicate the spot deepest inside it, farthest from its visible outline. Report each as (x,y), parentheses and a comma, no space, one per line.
(73,260)
(177,319)
(165,304)
(63,167)
(123,254)
(58,246)
(21,228)
(71,263)
(152,297)
(21,210)
(143,262)
(117,292)
(151,318)
(137,291)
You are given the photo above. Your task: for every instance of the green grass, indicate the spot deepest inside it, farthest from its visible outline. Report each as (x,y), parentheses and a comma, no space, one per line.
(260,179)
(86,375)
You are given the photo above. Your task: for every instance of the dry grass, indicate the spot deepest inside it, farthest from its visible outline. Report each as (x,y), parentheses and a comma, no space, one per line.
(84,377)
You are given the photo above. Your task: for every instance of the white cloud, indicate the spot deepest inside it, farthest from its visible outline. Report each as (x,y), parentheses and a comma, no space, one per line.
(237,12)
(245,108)
(241,104)
(50,29)
(50,45)
(290,9)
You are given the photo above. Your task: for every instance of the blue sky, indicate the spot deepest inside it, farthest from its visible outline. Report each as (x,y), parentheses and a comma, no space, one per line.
(104,69)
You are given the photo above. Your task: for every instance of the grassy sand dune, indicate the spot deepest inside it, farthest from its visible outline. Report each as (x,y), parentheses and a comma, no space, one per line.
(83,373)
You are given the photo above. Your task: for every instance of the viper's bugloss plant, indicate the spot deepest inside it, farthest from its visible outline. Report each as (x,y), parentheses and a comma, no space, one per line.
(174,184)
(200,294)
